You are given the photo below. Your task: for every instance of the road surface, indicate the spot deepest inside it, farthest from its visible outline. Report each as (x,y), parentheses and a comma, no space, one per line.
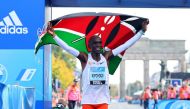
(124,105)
(120,105)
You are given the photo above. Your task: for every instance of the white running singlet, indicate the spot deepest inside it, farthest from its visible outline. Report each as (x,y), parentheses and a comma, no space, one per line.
(95,82)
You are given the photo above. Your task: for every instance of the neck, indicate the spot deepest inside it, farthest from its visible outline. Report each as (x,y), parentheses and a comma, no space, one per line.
(96,56)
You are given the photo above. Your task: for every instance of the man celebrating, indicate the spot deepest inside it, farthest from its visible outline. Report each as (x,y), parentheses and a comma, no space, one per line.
(95,74)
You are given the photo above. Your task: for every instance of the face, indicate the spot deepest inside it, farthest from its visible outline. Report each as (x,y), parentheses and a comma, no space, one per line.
(96,44)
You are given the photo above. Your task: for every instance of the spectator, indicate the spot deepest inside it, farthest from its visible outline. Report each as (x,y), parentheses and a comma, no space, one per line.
(155,97)
(73,94)
(147,96)
(182,93)
(172,93)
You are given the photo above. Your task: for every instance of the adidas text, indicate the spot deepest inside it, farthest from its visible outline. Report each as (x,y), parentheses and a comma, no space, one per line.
(13,30)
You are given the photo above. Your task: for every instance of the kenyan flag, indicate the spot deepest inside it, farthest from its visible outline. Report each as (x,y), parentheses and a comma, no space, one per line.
(76,30)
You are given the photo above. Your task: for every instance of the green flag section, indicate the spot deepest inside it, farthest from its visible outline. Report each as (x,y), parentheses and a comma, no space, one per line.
(71,40)
(76,29)
(78,44)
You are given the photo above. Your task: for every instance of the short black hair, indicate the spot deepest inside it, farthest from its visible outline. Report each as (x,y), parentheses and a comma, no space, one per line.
(91,39)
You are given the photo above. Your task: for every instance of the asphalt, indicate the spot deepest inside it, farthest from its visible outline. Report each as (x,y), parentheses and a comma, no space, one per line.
(124,105)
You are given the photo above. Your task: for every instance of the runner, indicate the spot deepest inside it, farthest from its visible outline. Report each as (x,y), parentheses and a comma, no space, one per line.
(95,74)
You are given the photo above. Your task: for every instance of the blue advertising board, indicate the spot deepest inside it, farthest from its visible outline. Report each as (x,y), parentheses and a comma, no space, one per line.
(19,67)
(23,68)
(19,22)
(173,104)
(175,82)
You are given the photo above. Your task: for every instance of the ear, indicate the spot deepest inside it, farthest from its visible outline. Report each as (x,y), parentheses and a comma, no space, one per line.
(89,46)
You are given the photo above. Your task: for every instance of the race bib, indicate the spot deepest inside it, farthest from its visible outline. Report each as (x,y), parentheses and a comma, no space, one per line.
(97,76)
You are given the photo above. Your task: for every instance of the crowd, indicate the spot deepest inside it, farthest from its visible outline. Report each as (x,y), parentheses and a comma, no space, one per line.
(171,92)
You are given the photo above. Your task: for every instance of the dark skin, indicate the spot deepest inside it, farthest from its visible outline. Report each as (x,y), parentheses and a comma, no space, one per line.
(95,45)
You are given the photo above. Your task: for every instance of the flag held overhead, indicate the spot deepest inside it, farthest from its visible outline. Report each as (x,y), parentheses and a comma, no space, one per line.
(76,29)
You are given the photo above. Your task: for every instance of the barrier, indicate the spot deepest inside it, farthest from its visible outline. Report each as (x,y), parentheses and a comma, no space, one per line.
(173,104)
(180,104)
(26,72)
(151,104)
(2,86)
(17,97)
(169,104)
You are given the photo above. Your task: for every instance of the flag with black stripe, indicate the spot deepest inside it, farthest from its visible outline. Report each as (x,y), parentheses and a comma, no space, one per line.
(76,29)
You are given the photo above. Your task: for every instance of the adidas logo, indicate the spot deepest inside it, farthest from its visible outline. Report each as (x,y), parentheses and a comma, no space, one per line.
(12,25)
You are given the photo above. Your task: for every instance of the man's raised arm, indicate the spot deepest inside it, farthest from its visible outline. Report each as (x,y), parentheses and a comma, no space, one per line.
(61,43)
(131,41)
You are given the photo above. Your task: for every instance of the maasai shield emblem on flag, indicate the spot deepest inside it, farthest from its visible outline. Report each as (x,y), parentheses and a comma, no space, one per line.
(76,29)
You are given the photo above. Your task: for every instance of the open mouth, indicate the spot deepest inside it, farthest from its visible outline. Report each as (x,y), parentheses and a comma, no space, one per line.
(97,49)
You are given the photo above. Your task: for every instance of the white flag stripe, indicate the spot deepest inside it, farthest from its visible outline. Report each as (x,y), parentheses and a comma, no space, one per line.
(8,21)
(28,72)
(15,18)
(2,24)
(129,26)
